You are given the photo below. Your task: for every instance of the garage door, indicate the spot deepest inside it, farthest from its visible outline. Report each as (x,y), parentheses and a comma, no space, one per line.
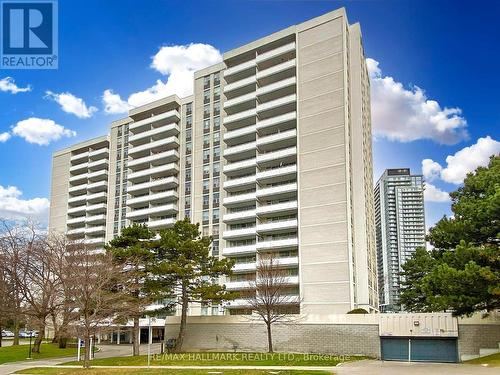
(422,349)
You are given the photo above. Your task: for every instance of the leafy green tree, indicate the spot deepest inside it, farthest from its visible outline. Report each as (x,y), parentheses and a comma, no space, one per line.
(131,250)
(462,273)
(183,271)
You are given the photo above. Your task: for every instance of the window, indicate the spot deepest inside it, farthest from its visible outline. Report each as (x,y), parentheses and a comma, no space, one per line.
(205,231)
(187,188)
(189,122)
(215,215)
(216,108)
(187,213)
(206,156)
(216,123)
(206,126)
(217,153)
(120,131)
(216,138)
(216,183)
(216,79)
(215,248)
(189,134)
(205,217)
(188,148)
(217,93)
(189,159)
(188,174)
(206,110)
(215,199)
(206,82)
(206,141)
(216,169)
(206,186)
(189,108)
(206,201)
(206,96)
(206,171)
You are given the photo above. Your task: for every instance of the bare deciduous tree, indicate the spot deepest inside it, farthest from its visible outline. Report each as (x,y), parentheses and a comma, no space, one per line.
(270,297)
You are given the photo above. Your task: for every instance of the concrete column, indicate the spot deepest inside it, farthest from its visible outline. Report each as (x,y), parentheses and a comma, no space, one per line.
(118,337)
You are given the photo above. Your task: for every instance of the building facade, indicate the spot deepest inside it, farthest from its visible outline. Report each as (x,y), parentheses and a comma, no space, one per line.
(400,229)
(271,155)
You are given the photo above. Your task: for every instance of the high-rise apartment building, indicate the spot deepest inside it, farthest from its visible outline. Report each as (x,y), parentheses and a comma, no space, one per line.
(271,155)
(400,229)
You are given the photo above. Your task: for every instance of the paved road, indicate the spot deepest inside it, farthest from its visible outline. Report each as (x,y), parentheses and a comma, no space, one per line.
(414,368)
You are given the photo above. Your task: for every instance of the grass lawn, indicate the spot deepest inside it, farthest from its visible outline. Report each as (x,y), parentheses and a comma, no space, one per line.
(226,359)
(65,371)
(20,353)
(490,360)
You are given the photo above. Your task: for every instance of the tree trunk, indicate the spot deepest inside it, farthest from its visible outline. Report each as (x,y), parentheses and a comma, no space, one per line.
(39,339)
(135,336)
(182,328)
(57,331)
(269,338)
(16,332)
(1,336)
(86,356)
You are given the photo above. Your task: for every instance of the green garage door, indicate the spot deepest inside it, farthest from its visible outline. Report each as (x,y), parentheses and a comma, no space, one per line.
(422,349)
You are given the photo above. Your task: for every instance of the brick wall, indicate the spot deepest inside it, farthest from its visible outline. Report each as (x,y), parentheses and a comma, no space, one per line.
(472,337)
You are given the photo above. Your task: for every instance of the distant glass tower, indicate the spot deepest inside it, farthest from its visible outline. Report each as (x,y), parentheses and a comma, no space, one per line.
(400,229)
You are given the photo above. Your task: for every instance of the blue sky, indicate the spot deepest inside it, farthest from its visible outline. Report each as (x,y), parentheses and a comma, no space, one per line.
(434,90)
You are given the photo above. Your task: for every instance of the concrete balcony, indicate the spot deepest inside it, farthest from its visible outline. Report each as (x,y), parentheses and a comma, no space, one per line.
(97,197)
(275,52)
(232,87)
(76,232)
(155,159)
(239,250)
(95,230)
(99,153)
(278,244)
(277,226)
(273,105)
(239,233)
(80,156)
(79,178)
(166,117)
(277,174)
(96,219)
(239,199)
(168,182)
(264,90)
(239,117)
(239,183)
(239,68)
(277,120)
(94,241)
(98,186)
(80,168)
(285,189)
(98,164)
(241,150)
(161,223)
(248,132)
(276,69)
(79,209)
(285,207)
(244,267)
(287,261)
(239,216)
(163,196)
(155,210)
(170,142)
(240,166)
(163,170)
(282,139)
(77,199)
(237,285)
(95,208)
(284,155)
(161,131)
(78,188)
(98,176)
(76,220)
(239,100)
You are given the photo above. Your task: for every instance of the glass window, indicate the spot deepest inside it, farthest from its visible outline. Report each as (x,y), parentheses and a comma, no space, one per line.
(206,186)
(187,213)
(216,108)
(189,108)
(216,79)
(206,110)
(216,123)
(217,153)
(188,174)
(189,134)
(216,138)
(215,214)
(206,82)
(216,183)
(205,217)
(188,148)
(189,159)
(206,141)
(216,93)
(206,201)
(206,96)
(206,171)
(189,121)
(215,230)
(206,126)
(216,168)
(215,248)
(215,199)
(187,188)
(206,156)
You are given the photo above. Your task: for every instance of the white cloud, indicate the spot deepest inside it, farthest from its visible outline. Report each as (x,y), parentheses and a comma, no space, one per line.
(72,104)
(178,63)
(113,103)
(4,137)
(464,161)
(8,84)
(12,206)
(41,131)
(407,115)
(434,194)
(431,169)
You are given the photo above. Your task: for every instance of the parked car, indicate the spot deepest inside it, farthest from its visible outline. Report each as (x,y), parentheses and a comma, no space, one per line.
(6,333)
(27,334)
